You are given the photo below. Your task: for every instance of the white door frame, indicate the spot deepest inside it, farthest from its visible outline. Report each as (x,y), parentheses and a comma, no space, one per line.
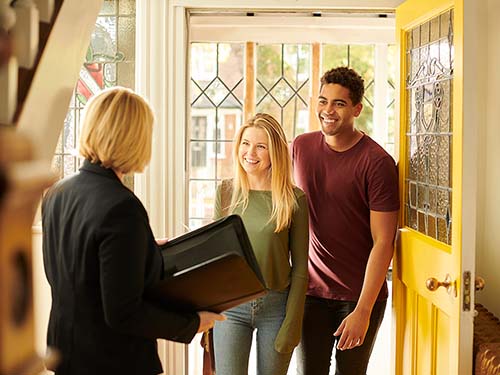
(161,68)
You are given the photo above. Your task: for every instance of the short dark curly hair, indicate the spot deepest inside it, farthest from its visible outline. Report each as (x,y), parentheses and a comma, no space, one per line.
(347,78)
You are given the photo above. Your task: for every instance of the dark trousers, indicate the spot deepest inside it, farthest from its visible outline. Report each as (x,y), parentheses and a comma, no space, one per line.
(321,319)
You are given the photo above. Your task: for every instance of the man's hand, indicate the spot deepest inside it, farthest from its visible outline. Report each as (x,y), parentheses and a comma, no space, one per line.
(207,320)
(352,330)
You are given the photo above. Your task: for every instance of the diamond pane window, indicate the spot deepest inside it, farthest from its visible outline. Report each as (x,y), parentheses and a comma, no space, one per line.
(428,188)
(220,97)
(391,98)
(282,86)
(109,62)
(216,113)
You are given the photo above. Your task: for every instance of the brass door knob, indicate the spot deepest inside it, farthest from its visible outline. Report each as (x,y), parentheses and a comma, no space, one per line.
(433,284)
(479,283)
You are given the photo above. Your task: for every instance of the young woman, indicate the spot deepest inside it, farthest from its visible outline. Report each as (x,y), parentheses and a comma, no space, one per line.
(275,215)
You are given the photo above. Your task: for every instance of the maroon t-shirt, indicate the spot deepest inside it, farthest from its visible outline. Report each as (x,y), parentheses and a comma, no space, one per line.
(342,188)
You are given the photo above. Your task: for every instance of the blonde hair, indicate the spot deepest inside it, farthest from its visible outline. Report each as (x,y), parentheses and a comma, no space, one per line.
(283,198)
(117,129)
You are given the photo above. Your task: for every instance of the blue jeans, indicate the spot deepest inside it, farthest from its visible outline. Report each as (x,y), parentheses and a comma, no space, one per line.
(233,337)
(321,319)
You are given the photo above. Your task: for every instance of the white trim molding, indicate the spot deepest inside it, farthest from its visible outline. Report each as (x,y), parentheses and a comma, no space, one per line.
(160,77)
(353,5)
(293,28)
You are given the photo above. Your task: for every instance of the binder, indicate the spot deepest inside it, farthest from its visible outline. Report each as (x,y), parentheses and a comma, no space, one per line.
(212,268)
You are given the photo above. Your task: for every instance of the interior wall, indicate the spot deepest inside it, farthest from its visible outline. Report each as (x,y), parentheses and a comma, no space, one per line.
(488,239)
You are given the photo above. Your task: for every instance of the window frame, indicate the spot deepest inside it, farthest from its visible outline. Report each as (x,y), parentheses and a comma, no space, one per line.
(327,29)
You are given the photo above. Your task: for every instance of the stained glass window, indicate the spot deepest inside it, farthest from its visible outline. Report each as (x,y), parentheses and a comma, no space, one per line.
(109,62)
(429,131)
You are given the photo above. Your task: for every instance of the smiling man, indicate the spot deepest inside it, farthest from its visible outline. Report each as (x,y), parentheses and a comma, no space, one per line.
(352,188)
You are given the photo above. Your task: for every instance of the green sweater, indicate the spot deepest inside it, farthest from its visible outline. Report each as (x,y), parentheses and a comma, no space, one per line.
(282,257)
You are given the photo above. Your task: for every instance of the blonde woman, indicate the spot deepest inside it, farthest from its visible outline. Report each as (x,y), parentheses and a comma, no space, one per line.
(100,254)
(275,215)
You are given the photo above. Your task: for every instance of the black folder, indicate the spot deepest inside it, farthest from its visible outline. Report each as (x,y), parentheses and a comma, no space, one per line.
(212,268)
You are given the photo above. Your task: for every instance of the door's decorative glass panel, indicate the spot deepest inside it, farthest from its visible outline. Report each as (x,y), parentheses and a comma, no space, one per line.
(429,128)
(216,113)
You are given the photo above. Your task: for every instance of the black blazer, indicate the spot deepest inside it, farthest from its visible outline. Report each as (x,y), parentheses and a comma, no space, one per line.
(100,255)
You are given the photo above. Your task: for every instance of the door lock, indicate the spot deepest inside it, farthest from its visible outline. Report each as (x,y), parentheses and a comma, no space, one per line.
(479,284)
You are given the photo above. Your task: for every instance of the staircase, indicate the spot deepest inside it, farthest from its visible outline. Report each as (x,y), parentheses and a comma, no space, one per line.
(50,39)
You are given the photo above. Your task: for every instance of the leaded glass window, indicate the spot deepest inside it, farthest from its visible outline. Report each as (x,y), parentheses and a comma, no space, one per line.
(429,132)
(109,62)
(216,112)
(282,87)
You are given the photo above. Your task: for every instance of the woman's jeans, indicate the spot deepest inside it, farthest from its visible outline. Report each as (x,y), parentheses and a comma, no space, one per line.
(321,319)
(233,337)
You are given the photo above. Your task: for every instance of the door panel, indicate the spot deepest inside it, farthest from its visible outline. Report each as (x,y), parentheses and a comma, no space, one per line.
(428,260)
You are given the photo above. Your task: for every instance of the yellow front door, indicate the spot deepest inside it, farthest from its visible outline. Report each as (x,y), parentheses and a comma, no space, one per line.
(432,308)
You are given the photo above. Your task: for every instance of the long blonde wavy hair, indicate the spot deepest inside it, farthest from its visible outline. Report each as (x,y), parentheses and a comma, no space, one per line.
(283,198)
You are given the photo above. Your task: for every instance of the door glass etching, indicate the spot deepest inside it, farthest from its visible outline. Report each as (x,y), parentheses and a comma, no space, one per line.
(429,130)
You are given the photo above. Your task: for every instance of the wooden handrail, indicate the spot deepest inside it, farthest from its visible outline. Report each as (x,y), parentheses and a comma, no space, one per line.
(25,76)
(46,97)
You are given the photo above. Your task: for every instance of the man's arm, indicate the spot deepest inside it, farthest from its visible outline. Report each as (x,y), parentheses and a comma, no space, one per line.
(353,328)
